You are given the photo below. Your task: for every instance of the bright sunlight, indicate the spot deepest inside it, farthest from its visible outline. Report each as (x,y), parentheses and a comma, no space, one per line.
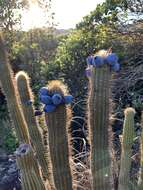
(67,13)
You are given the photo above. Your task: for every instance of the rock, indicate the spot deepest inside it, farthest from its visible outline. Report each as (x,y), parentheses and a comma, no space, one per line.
(1,169)
(9,174)
(3,156)
(7,179)
(12,170)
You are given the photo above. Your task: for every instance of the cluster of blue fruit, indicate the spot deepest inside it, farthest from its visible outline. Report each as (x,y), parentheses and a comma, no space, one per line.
(111,60)
(51,101)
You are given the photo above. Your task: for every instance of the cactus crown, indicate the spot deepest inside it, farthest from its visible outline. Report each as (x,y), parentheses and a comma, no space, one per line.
(54,95)
(23,76)
(102,53)
(129,111)
(104,57)
(56,86)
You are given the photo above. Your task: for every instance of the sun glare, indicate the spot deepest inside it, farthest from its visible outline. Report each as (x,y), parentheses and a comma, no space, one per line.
(33,17)
(67,13)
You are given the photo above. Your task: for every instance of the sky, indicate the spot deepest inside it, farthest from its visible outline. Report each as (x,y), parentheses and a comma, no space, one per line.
(67,13)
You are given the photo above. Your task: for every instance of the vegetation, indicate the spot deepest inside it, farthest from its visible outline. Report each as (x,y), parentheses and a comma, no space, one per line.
(47,54)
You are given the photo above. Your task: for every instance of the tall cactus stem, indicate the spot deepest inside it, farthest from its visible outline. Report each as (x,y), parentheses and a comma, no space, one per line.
(127,142)
(8,86)
(29,179)
(98,110)
(58,123)
(26,96)
(140,181)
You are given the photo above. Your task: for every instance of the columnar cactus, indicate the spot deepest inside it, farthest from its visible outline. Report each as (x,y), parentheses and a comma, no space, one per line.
(127,142)
(99,114)
(29,179)
(99,73)
(58,117)
(8,86)
(140,182)
(26,99)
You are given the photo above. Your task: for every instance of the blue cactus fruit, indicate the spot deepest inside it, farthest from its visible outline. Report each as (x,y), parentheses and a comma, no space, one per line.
(98,61)
(46,99)
(43,91)
(116,67)
(89,60)
(88,72)
(57,99)
(49,108)
(68,99)
(112,59)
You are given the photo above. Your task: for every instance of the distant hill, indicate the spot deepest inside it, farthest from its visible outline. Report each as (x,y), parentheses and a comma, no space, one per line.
(62,31)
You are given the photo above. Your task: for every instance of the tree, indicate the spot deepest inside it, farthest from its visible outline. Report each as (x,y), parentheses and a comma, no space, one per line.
(100,29)
(10,13)
(33,51)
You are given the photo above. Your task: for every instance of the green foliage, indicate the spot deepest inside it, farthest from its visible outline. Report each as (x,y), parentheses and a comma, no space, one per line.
(10,142)
(7,135)
(3,111)
(105,13)
(32,52)
(71,55)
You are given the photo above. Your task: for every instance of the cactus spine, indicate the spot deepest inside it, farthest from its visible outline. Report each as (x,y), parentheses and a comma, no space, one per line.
(26,97)
(30,180)
(140,182)
(98,109)
(58,126)
(128,136)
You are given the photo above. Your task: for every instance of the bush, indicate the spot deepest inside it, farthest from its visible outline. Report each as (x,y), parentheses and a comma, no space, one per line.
(8,140)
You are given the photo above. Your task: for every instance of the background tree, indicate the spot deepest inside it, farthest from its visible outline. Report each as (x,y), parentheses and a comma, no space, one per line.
(29,51)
